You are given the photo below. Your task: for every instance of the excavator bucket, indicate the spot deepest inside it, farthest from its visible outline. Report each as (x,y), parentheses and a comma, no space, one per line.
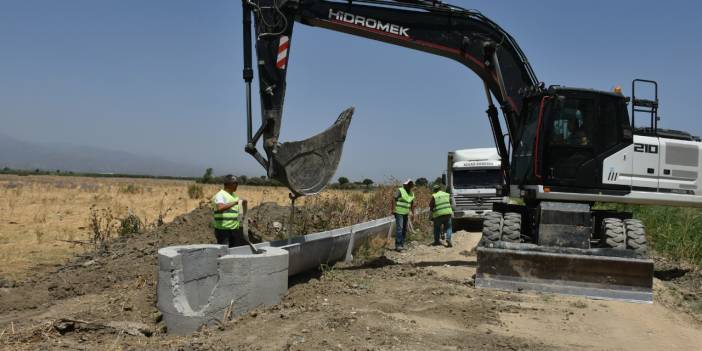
(307,166)
(596,273)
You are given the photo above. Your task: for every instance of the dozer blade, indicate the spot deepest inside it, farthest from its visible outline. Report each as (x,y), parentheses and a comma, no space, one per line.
(307,166)
(595,273)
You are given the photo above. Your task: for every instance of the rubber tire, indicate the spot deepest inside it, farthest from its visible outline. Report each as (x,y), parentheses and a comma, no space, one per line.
(512,228)
(614,233)
(492,227)
(636,236)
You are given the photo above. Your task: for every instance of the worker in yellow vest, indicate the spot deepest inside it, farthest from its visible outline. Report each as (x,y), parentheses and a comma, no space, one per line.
(403,207)
(441,213)
(226,205)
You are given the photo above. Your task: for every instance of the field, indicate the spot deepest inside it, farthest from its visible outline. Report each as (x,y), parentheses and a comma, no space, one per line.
(42,218)
(47,219)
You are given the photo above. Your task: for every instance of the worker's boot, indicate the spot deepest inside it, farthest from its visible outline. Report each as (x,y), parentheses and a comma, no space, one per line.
(448,243)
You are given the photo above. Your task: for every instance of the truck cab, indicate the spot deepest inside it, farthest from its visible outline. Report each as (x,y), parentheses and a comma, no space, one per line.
(474,182)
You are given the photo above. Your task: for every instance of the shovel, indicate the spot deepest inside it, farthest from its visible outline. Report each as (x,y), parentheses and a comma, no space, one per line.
(245,227)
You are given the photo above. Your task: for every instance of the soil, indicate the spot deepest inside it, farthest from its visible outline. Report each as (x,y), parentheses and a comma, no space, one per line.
(416,300)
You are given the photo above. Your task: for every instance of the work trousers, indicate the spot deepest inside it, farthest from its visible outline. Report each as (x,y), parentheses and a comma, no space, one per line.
(445,222)
(401,222)
(230,237)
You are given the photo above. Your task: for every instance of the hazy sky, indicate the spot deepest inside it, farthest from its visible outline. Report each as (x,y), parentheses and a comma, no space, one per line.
(163,78)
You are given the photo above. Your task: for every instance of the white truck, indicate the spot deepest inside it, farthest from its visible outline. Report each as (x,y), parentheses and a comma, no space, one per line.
(473,179)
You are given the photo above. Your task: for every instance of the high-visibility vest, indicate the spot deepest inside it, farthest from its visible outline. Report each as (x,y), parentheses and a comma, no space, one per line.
(442,204)
(229,218)
(404,202)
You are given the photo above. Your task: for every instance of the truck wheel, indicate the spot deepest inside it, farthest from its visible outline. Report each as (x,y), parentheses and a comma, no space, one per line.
(615,236)
(512,228)
(492,227)
(636,236)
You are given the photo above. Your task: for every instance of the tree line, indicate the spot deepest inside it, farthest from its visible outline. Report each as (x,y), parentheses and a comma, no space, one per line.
(208,178)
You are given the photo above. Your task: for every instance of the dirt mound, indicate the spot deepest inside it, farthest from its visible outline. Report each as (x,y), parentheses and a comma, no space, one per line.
(129,267)
(129,264)
(683,285)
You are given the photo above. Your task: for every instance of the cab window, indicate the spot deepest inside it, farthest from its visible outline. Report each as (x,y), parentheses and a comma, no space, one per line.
(572,124)
(613,121)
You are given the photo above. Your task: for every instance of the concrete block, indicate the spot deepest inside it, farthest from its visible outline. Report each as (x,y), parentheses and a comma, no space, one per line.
(200,263)
(196,288)
(196,283)
(198,291)
(339,245)
(179,324)
(167,283)
(169,259)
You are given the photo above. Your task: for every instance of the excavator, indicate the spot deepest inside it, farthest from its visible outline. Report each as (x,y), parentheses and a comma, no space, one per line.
(566,151)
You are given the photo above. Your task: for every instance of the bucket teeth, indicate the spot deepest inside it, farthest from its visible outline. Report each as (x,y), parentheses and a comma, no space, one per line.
(306,166)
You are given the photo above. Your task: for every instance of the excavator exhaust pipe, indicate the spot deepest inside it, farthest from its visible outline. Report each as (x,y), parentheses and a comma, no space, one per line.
(307,166)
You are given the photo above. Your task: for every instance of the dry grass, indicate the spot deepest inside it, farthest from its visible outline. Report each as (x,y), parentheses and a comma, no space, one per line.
(41,215)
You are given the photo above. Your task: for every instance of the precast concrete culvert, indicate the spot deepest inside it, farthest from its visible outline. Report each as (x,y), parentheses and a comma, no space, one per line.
(204,284)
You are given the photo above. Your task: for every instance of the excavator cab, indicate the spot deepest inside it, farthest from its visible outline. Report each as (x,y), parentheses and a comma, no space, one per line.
(567,134)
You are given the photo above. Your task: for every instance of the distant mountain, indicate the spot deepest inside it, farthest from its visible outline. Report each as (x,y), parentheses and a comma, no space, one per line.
(18,154)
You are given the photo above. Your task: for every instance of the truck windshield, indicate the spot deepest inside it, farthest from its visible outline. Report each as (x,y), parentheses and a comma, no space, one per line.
(472,179)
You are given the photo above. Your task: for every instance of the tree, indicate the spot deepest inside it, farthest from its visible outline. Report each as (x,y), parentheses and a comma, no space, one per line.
(421,181)
(343,180)
(438,181)
(242,179)
(256,181)
(368,182)
(207,177)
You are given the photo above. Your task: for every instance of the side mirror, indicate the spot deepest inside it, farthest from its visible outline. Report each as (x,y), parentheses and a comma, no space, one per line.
(443,179)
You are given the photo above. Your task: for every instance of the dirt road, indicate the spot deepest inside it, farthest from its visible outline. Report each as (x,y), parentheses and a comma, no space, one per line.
(422,299)
(571,323)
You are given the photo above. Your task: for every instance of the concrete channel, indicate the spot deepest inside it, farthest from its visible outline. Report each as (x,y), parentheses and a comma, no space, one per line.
(205,284)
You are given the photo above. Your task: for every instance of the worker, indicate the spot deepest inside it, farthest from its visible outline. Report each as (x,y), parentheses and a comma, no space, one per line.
(441,213)
(225,208)
(403,209)
(576,130)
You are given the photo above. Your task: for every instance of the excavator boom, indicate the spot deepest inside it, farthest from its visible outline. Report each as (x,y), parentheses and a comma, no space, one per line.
(463,35)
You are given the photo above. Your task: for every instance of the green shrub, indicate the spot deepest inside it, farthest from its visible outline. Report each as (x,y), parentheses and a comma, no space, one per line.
(130,225)
(131,189)
(676,232)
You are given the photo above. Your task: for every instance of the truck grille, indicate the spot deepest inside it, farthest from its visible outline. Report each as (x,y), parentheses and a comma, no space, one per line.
(476,202)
